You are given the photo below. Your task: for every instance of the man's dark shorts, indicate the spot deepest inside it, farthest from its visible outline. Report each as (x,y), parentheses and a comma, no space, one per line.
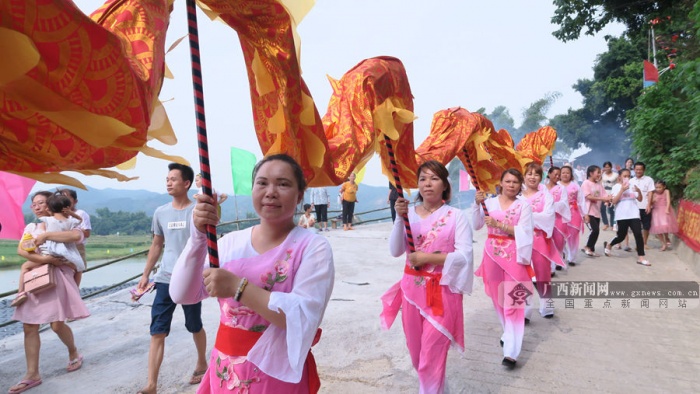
(646,219)
(163,308)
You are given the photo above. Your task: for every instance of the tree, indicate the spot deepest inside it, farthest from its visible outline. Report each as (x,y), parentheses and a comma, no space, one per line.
(501,119)
(666,124)
(574,16)
(602,124)
(129,223)
(535,116)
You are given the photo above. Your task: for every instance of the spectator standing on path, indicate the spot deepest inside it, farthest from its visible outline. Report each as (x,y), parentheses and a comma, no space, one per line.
(348,192)
(646,185)
(391,200)
(171,230)
(575,225)
(629,164)
(273,287)
(595,196)
(505,267)
(85,226)
(435,277)
(320,202)
(54,305)
(625,197)
(609,179)
(663,218)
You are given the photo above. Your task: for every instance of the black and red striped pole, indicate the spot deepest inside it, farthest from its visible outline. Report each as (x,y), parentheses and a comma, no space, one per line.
(472,174)
(399,189)
(201,124)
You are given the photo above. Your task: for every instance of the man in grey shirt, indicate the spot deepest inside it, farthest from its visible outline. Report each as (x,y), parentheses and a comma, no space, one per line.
(171,230)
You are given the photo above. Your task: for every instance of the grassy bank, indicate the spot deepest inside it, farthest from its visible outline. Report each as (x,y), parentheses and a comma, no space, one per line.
(98,247)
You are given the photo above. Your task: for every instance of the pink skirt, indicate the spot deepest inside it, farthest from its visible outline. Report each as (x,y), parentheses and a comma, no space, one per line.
(61,303)
(663,223)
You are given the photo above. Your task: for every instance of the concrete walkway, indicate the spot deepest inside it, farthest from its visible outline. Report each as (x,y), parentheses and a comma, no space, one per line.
(579,350)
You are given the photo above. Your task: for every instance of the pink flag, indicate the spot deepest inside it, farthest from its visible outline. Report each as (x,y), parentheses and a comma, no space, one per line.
(14,189)
(464,181)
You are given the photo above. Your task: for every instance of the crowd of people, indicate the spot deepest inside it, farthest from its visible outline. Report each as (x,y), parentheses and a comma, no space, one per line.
(275,279)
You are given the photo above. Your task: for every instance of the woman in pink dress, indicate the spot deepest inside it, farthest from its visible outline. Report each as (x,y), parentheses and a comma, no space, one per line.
(663,217)
(574,227)
(505,267)
(561,210)
(273,286)
(544,253)
(429,294)
(54,305)
(595,195)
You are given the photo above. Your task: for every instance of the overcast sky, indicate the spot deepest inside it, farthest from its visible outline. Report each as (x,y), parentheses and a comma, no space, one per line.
(456,53)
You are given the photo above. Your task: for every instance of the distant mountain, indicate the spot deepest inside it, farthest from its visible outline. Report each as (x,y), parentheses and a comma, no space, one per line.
(370,198)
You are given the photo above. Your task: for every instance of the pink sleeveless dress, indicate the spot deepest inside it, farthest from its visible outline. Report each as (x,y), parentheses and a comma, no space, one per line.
(662,222)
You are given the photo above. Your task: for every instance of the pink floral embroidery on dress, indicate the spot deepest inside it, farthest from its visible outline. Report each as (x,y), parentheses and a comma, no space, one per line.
(228,375)
(278,273)
(500,246)
(423,243)
(233,314)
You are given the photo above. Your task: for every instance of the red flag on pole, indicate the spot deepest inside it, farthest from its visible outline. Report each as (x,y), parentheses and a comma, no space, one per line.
(651,74)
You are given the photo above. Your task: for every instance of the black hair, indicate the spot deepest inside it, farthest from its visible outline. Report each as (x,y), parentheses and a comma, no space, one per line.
(607,163)
(440,170)
(591,169)
(58,202)
(296,168)
(660,182)
(42,193)
(515,173)
(185,171)
(307,207)
(639,163)
(628,159)
(552,169)
(70,193)
(623,170)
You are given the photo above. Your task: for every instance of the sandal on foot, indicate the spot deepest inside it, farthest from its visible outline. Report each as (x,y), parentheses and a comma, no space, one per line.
(197,377)
(605,249)
(19,299)
(588,253)
(75,364)
(628,249)
(27,384)
(644,263)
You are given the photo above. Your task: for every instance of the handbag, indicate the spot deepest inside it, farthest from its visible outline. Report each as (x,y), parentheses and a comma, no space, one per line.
(40,279)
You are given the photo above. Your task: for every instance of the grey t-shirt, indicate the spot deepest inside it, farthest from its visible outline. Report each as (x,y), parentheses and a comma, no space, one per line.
(174,225)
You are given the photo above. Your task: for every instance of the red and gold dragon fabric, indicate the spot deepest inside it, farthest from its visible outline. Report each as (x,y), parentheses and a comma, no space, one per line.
(81,95)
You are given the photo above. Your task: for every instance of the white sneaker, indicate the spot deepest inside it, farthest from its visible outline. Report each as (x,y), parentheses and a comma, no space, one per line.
(644,262)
